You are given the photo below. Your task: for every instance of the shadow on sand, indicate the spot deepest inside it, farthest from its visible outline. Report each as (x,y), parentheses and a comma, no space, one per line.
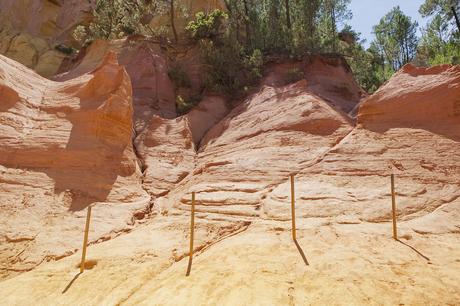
(301,252)
(71,282)
(414,249)
(189,267)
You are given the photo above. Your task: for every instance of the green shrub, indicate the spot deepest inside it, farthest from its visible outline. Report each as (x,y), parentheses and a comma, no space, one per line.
(179,77)
(207,25)
(254,65)
(64,49)
(183,105)
(230,69)
(113,19)
(294,75)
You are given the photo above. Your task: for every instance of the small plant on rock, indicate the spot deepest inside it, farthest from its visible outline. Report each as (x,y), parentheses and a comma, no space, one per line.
(294,75)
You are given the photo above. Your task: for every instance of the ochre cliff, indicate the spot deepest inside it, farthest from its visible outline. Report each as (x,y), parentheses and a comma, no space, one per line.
(64,146)
(70,143)
(147,66)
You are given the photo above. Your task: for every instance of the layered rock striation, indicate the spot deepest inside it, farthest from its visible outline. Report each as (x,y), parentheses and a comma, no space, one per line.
(64,146)
(410,128)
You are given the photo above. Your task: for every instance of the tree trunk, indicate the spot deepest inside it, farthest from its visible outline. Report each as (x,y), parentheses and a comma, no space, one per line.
(247,23)
(334,25)
(456,18)
(288,15)
(173,25)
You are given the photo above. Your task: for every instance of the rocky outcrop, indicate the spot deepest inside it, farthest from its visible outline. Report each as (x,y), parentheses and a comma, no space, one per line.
(331,78)
(328,76)
(64,146)
(410,127)
(33,52)
(164,143)
(32,29)
(55,159)
(417,98)
(51,20)
(146,64)
(275,132)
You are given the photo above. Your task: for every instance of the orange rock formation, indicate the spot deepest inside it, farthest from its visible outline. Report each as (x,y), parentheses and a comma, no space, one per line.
(82,140)
(63,146)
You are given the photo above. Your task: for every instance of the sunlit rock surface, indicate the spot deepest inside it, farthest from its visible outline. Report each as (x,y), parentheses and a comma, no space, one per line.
(237,157)
(64,146)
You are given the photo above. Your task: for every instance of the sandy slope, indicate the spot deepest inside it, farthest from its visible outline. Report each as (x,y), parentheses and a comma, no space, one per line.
(357,264)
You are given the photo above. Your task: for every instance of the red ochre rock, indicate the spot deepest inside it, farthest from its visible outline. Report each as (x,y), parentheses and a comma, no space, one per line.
(64,146)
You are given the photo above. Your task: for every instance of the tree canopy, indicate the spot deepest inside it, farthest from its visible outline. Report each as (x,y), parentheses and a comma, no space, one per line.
(235,42)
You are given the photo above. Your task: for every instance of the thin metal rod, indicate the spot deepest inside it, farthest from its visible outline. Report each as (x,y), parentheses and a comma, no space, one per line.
(192,229)
(393,206)
(293,208)
(85,240)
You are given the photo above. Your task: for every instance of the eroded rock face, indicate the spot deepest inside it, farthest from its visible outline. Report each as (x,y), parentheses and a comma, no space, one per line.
(166,144)
(64,146)
(426,98)
(238,164)
(208,113)
(168,152)
(146,64)
(328,77)
(331,78)
(52,20)
(411,128)
(31,29)
(275,132)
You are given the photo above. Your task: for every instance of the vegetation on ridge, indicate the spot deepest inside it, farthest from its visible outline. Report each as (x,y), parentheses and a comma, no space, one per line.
(234,43)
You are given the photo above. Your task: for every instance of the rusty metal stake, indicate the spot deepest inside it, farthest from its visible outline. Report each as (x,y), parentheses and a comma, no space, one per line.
(293,208)
(192,229)
(85,240)
(393,206)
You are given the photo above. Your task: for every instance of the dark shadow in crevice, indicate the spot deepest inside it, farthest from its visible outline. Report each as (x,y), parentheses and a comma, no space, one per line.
(301,253)
(414,249)
(71,282)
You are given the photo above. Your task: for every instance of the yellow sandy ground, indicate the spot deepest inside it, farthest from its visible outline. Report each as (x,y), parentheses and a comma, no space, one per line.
(348,264)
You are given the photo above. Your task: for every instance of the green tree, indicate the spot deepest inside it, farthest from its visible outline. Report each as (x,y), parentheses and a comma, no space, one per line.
(396,38)
(114,19)
(441,8)
(231,67)
(440,42)
(332,13)
(437,45)
(275,26)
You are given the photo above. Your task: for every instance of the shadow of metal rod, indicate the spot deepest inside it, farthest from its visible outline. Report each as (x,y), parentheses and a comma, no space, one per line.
(71,282)
(189,268)
(301,252)
(414,249)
